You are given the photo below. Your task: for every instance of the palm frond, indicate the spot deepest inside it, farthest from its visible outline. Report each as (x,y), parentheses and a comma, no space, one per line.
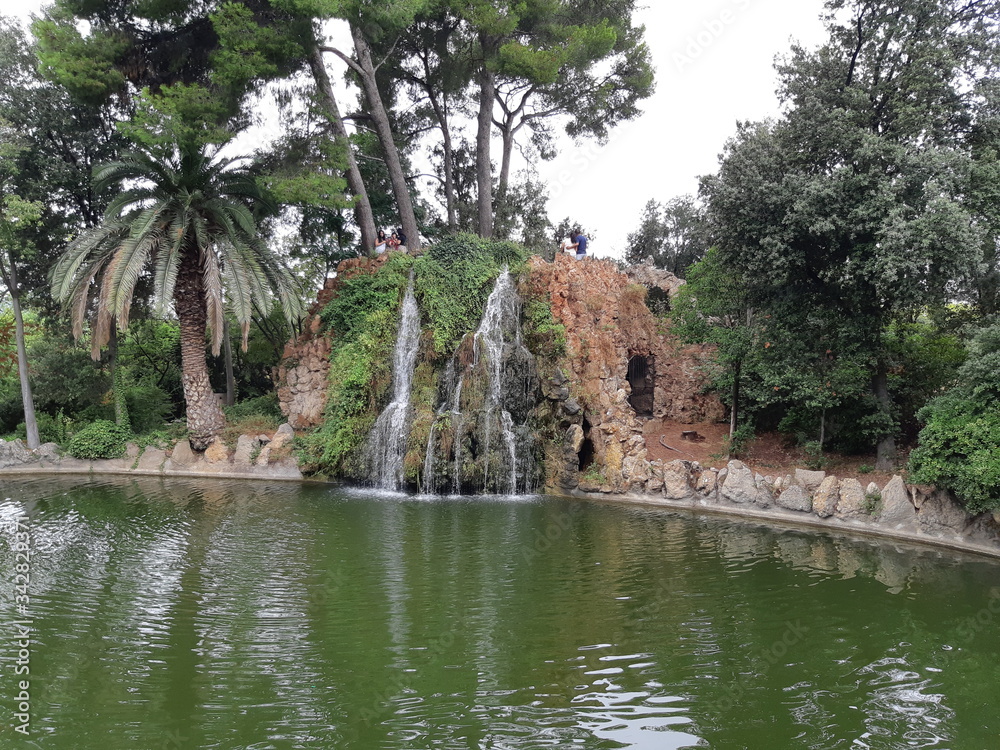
(211,279)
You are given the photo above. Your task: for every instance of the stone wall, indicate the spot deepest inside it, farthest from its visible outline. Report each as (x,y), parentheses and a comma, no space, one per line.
(812,497)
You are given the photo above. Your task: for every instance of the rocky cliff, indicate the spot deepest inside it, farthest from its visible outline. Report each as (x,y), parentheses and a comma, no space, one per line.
(582,409)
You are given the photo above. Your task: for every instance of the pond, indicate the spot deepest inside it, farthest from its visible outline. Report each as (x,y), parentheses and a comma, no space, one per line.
(225,614)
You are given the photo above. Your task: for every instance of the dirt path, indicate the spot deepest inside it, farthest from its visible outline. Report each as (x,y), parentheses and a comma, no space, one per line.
(770,453)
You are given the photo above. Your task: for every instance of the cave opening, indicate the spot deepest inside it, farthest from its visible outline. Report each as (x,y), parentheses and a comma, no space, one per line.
(641,378)
(586,454)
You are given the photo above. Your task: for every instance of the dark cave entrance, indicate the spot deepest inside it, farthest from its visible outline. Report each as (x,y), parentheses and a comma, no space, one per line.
(640,377)
(586,453)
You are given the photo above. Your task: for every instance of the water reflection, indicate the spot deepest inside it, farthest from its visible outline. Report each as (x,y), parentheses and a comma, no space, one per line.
(228,614)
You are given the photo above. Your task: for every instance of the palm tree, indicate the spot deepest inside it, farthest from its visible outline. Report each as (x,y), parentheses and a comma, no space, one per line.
(189,222)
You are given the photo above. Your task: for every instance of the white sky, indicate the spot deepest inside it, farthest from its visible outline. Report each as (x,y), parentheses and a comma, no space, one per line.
(714,66)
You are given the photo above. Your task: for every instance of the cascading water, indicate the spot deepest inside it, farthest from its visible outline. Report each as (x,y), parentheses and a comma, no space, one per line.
(386,446)
(429,479)
(501,318)
(479,434)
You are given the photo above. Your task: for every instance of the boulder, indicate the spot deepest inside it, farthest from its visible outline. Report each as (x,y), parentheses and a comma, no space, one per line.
(826,496)
(182,455)
(795,498)
(575,437)
(809,480)
(940,514)
(264,456)
(14,453)
(708,484)
(282,436)
(151,459)
(852,502)
(677,481)
(739,486)
(897,510)
(47,452)
(636,471)
(217,452)
(245,447)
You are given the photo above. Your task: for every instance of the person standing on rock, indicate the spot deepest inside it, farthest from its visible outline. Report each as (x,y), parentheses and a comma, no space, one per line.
(579,243)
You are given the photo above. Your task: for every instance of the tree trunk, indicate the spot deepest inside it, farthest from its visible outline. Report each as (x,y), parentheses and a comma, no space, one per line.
(885,452)
(484,129)
(204,415)
(362,206)
(380,118)
(507,135)
(27,401)
(117,386)
(227,353)
(440,111)
(734,413)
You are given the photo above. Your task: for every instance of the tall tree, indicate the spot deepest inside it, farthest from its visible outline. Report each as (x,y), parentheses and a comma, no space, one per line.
(674,235)
(16,213)
(190,220)
(855,200)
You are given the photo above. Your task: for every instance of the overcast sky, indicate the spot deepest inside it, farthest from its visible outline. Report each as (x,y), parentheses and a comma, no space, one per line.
(714,66)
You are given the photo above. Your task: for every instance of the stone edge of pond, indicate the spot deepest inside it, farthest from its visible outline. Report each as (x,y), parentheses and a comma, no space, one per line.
(914,514)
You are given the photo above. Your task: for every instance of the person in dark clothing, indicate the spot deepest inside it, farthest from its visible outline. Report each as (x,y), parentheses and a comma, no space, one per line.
(579,243)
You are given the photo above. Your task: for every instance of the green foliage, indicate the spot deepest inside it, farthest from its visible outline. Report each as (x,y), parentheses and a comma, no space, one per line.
(454,279)
(815,459)
(64,376)
(362,318)
(83,65)
(959,447)
(872,503)
(190,115)
(347,314)
(148,407)
(674,235)
(260,406)
(737,443)
(542,332)
(51,429)
(100,439)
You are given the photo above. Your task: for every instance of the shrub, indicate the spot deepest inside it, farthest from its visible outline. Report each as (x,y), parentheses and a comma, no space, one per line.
(261,406)
(100,439)
(147,406)
(959,447)
(454,280)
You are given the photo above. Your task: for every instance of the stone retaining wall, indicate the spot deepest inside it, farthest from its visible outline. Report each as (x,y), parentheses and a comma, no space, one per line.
(812,498)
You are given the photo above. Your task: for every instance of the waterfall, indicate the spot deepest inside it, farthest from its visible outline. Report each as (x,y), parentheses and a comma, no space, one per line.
(429,479)
(387,440)
(489,440)
(501,318)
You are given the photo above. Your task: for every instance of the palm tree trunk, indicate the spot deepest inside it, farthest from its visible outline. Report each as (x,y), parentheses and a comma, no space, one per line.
(204,415)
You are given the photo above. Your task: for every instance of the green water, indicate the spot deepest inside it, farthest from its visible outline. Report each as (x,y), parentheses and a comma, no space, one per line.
(238,615)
